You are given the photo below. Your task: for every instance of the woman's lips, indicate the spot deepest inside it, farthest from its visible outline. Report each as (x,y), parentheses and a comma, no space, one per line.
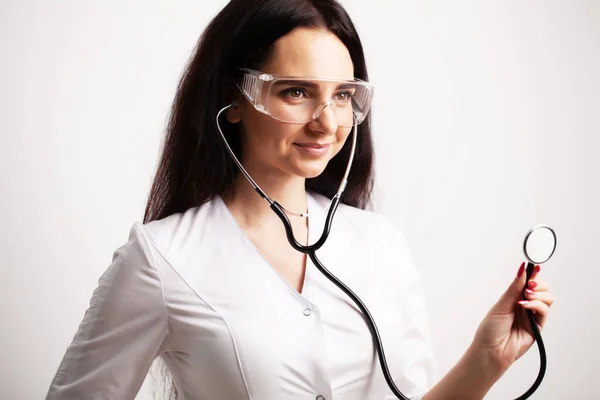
(313,148)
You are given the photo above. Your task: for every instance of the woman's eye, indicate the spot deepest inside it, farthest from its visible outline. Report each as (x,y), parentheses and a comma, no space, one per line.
(294,93)
(344,96)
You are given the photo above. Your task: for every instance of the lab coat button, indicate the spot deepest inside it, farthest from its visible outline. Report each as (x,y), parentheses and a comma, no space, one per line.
(307,313)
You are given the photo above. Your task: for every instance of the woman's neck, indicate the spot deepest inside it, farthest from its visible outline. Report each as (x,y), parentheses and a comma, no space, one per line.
(252,211)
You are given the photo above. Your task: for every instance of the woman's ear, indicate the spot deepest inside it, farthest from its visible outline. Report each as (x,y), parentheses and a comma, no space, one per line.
(234,113)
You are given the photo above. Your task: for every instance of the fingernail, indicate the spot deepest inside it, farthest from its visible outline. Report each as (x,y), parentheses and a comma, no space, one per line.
(523,302)
(529,292)
(532,284)
(537,268)
(521,269)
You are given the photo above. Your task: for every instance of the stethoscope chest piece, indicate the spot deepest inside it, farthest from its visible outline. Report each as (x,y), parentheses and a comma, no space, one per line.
(539,244)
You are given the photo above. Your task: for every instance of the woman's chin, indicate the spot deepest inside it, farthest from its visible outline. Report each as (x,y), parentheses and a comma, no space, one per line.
(308,168)
(312,171)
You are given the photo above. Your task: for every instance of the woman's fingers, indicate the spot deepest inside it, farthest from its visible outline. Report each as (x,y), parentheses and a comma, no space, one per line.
(538,285)
(539,308)
(544,296)
(536,271)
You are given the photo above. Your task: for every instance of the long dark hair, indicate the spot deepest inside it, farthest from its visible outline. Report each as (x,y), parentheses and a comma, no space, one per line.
(195,165)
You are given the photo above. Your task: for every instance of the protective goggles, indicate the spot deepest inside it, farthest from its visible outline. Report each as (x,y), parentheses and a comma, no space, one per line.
(300,100)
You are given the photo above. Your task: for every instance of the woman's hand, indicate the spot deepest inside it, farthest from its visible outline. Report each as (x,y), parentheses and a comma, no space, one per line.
(503,336)
(505,333)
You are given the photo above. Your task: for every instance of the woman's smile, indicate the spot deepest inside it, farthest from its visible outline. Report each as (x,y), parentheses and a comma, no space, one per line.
(314,149)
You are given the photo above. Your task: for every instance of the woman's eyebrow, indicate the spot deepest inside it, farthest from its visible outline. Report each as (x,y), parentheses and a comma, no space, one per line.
(293,82)
(309,84)
(345,86)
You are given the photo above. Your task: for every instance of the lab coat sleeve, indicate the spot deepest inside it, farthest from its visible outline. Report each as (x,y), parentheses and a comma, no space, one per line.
(418,364)
(122,332)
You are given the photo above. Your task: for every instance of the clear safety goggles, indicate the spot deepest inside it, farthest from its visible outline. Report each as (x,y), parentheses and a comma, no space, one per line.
(298,100)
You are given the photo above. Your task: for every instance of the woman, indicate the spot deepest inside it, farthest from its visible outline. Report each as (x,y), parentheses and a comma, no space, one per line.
(210,284)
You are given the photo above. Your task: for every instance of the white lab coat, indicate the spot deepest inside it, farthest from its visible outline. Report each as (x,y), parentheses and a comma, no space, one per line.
(193,290)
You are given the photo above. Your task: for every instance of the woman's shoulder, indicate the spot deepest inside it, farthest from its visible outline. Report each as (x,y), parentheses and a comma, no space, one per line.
(176,231)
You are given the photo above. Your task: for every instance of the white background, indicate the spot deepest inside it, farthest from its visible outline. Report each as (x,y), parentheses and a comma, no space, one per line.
(486,121)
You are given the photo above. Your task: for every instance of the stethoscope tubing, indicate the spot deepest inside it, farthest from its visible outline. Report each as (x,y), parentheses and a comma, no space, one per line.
(311,249)
(538,338)
(368,319)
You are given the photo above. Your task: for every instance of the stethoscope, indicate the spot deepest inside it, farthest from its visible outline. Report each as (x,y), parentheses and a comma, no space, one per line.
(538,246)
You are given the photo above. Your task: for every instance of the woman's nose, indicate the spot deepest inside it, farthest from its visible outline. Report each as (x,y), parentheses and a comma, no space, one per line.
(325,119)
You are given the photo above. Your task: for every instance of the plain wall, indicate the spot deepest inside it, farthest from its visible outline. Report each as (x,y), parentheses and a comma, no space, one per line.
(486,122)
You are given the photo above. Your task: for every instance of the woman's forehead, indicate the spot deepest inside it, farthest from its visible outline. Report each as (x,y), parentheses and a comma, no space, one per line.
(310,53)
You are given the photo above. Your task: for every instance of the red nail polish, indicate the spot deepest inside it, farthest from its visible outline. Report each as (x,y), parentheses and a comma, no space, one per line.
(521,269)
(537,268)
(532,284)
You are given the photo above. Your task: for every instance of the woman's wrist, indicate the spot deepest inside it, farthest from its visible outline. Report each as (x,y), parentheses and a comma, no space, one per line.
(470,379)
(481,370)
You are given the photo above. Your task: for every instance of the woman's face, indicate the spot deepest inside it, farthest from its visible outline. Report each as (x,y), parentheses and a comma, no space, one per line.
(273,148)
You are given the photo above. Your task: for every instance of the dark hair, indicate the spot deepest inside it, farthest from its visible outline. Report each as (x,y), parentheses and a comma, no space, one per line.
(195,165)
